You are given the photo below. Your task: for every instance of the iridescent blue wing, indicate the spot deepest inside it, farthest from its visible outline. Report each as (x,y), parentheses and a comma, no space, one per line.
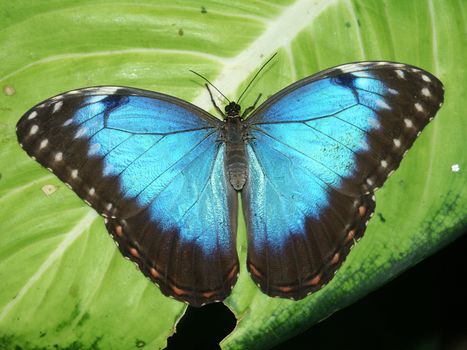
(318,150)
(151,165)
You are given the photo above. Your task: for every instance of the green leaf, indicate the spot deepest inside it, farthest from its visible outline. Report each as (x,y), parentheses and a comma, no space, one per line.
(64,282)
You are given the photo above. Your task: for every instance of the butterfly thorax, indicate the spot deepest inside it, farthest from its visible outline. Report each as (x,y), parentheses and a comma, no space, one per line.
(235,151)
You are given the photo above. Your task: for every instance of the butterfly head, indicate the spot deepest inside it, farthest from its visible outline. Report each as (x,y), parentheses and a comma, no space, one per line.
(232,109)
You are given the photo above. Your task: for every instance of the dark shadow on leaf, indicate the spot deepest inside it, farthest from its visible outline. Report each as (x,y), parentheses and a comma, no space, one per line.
(202,328)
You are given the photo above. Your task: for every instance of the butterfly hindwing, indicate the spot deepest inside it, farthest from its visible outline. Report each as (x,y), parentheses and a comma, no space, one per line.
(150,164)
(318,150)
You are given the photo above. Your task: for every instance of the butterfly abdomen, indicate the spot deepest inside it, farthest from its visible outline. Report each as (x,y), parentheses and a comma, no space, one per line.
(235,153)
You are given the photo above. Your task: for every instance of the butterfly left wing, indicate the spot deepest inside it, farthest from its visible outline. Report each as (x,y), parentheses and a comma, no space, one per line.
(153,166)
(318,150)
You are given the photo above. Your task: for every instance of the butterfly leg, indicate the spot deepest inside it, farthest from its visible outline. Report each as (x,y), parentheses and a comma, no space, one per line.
(251,108)
(247,138)
(214,102)
(221,137)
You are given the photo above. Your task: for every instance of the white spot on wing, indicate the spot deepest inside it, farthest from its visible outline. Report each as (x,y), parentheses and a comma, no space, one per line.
(108,90)
(426,78)
(374,123)
(95,99)
(400,74)
(397,142)
(57,106)
(95,147)
(426,92)
(393,91)
(92,191)
(44,143)
(32,115)
(384,163)
(382,104)
(58,156)
(80,132)
(408,123)
(68,122)
(418,107)
(109,206)
(33,130)
(74,173)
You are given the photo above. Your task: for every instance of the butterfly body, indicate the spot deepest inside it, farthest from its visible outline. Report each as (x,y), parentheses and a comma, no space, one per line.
(235,138)
(165,173)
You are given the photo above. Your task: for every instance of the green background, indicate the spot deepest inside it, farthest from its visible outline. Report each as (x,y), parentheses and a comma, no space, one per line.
(65,285)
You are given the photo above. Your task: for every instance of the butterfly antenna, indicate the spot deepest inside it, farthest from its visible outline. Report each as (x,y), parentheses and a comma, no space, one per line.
(257,73)
(199,75)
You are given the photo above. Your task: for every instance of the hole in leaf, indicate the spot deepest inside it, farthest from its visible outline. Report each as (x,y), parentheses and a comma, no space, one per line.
(202,328)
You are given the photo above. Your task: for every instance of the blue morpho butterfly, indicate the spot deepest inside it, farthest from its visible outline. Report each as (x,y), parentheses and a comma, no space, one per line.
(165,173)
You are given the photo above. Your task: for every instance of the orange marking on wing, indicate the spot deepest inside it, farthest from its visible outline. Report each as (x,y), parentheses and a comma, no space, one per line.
(178,291)
(134,252)
(232,273)
(314,281)
(350,235)
(119,231)
(361,210)
(285,289)
(208,295)
(254,271)
(154,273)
(335,258)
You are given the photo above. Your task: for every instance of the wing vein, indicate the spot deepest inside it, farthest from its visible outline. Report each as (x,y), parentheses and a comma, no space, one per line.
(298,151)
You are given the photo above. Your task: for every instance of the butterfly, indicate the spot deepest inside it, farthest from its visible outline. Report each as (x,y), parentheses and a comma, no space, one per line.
(166,174)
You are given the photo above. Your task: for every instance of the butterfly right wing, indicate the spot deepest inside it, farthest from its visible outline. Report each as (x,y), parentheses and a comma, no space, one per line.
(318,150)
(150,164)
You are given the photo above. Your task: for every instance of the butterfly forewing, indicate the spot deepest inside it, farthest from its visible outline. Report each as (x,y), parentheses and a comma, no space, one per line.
(318,150)
(150,164)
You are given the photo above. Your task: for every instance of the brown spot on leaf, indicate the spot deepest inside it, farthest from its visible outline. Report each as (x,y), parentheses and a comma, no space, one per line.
(9,90)
(49,189)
